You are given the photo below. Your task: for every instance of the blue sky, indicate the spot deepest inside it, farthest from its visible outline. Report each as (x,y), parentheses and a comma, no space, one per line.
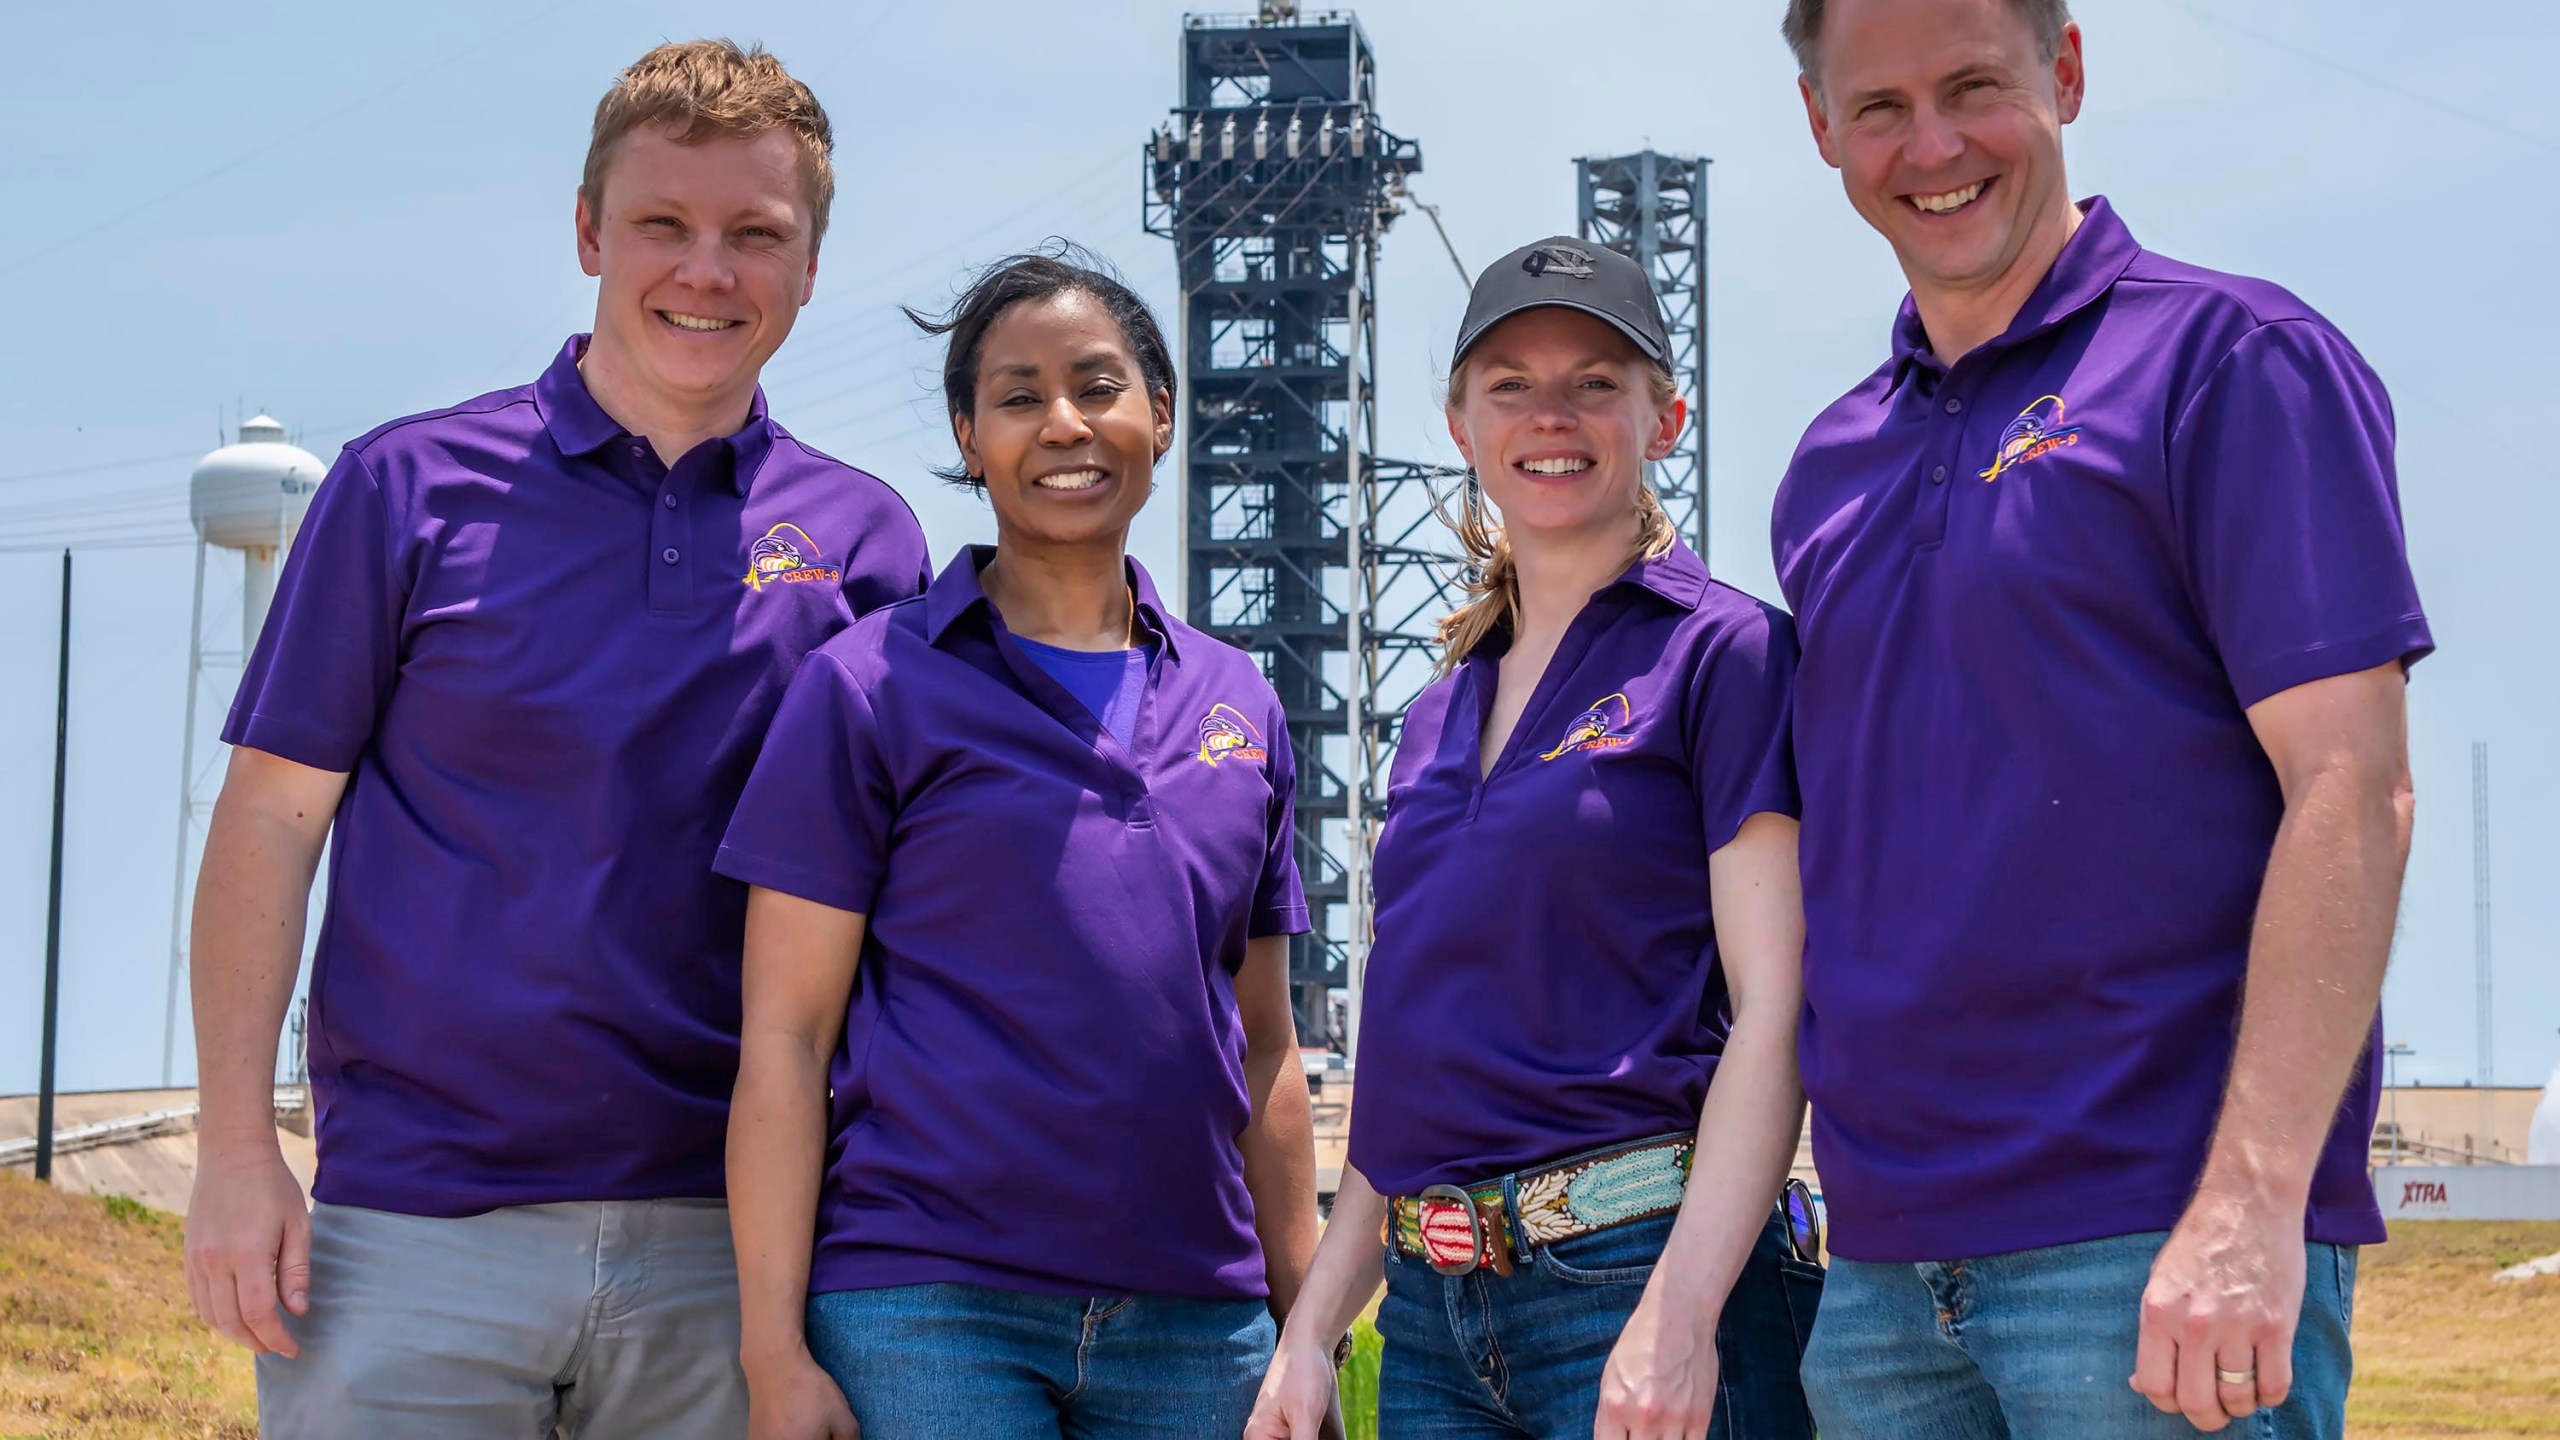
(346,213)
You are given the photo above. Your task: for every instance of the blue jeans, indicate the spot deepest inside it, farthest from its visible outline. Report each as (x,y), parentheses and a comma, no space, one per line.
(2039,1345)
(928,1362)
(1482,1356)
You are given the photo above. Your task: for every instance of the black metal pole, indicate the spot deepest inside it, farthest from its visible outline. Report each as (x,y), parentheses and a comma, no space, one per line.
(53,893)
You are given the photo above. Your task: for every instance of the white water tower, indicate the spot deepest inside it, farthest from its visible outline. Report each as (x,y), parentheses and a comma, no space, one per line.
(250,497)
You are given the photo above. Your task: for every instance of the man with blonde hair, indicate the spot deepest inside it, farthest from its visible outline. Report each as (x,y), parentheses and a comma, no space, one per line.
(517,670)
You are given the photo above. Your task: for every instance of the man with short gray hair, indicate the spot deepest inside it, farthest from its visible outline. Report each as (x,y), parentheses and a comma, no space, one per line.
(2106,615)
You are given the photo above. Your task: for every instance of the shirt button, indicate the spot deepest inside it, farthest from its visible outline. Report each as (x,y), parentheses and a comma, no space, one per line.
(1938,476)
(671,502)
(638,450)
(1954,405)
(669,555)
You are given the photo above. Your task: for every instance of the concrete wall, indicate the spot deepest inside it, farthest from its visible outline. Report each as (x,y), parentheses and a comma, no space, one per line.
(2443,1124)
(159,1171)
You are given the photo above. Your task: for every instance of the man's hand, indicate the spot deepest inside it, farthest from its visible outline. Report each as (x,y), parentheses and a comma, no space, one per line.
(797,1399)
(2226,1291)
(1299,1392)
(1660,1383)
(2225,1295)
(249,1248)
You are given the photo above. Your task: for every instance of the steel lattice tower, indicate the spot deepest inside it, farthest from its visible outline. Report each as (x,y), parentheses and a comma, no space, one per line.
(1274,182)
(1653,208)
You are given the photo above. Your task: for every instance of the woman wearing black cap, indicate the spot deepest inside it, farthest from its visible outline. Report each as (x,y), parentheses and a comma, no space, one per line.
(1587,911)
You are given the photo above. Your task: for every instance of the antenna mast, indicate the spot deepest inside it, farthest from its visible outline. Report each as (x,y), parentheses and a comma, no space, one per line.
(2480,935)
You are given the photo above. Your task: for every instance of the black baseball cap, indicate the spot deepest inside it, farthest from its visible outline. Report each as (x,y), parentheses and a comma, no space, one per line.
(1576,274)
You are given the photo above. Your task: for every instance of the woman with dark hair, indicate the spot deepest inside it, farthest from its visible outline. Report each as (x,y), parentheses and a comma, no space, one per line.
(1578,1090)
(1020,852)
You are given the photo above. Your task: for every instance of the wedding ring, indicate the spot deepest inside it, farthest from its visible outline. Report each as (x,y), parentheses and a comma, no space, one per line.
(2236,1377)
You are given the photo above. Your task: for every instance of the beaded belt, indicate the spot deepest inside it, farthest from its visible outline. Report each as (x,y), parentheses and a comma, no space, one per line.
(1456,1229)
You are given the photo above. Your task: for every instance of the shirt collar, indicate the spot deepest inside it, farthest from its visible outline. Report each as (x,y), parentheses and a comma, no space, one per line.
(579,426)
(1676,575)
(2091,262)
(956,593)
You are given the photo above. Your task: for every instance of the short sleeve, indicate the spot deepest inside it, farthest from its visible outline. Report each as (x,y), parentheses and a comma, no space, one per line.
(322,672)
(1279,901)
(1742,759)
(890,564)
(815,817)
(2282,479)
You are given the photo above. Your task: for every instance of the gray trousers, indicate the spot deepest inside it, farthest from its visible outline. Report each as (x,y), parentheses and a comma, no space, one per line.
(616,1320)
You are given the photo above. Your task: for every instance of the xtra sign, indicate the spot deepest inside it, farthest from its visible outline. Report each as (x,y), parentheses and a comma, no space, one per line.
(2468,1192)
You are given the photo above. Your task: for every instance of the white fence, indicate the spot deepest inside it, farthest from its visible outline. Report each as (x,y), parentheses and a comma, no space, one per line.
(2468,1192)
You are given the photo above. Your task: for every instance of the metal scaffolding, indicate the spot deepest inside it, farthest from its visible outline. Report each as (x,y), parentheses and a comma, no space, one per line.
(1653,208)
(1274,181)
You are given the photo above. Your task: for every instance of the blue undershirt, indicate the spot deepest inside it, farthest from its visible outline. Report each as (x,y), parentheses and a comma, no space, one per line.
(1107,682)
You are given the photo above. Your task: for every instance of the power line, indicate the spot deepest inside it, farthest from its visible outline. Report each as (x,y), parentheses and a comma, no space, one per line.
(171,457)
(134,462)
(883,327)
(313,127)
(84,546)
(2418,97)
(941,255)
(886,13)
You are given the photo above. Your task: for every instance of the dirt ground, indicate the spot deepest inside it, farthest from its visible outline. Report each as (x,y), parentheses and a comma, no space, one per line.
(97,1341)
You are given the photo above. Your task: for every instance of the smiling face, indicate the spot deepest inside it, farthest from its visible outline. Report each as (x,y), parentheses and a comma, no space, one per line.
(1062,429)
(1556,412)
(1944,118)
(706,252)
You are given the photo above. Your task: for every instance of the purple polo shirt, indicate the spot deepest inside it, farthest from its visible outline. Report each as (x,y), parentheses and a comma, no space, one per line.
(1544,978)
(2037,592)
(1041,1083)
(546,662)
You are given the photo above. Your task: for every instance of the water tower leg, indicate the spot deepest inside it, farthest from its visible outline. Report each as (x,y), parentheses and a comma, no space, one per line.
(257,591)
(186,827)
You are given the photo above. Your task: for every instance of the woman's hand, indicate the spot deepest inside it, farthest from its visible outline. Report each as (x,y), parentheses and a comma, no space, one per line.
(1297,1394)
(795,1399)
(1660,1383)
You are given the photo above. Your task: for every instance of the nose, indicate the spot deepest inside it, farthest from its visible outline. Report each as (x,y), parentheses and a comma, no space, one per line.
(1553,414)
(1064,425)
(705,265)
(1934,141)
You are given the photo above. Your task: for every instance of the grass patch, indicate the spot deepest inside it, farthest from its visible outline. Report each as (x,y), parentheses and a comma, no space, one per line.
(97,1339)
(2441,1351)
(1359,1382)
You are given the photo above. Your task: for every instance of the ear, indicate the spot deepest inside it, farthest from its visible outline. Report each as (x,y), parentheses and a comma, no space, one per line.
(1667,428)
(1160,403)
(1458,437)
(1821,122)
(809,282)
(966,434)
(2070,74)
(590,247)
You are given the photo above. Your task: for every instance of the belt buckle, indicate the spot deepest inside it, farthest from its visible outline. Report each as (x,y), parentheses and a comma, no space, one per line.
(1447,1248)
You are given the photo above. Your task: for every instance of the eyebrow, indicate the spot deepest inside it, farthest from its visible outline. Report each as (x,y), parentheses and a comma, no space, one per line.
(1595,359)
(1085,364)
(1965,71)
